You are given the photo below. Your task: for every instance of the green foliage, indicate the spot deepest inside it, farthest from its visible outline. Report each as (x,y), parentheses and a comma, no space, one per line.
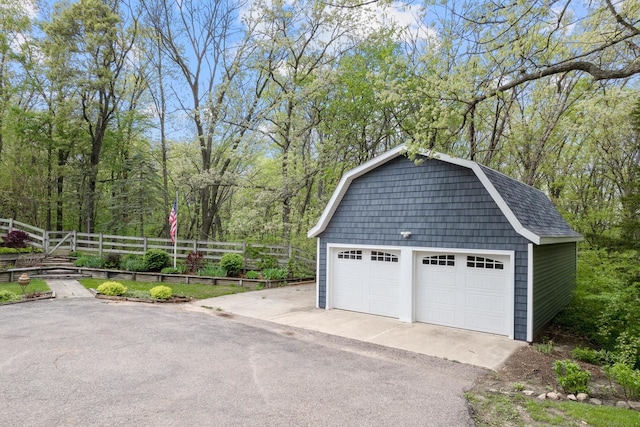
(546,346)
(275,273)
(75,254)
(133,263)
(6,296)
(252,274)
(169,270)
(181,268)
(134,293)
(627,377)
(161,292)
(595,357)
(112,288)
(232,263)
(212,270)
(571,377)
(27,250)
(264,260)
(260,286)
(299,269)
(156,259)
(89,262)
(606,303)
(112,260)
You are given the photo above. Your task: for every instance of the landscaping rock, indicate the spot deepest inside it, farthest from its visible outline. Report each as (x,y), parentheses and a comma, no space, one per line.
(572,397)
(635,405)
(622,404)
(543,396)
(582,397)
(528,392)
(595,401)
(553,395)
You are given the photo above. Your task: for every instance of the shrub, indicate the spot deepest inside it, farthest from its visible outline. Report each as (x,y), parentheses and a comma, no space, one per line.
(89,261)
(627,377)
(169,270)
(545,347)
(112,288)
(6,296)
(181,268)
(589,355)
(232,263)
(268,262)
(193,262)
(571,377)
(252,274)
(75,254)
(133,263)
(16,239)
(275,273)
(156,259)
(212,270)
(161,292)
(260,286)
(112,260)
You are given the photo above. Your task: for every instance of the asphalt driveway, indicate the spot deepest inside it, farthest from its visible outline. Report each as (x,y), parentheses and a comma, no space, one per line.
(85,362)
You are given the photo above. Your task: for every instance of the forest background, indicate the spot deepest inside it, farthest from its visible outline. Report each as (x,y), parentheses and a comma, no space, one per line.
(252,110)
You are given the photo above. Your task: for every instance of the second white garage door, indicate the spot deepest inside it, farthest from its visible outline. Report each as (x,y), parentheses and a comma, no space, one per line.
(366,280)
(465,291)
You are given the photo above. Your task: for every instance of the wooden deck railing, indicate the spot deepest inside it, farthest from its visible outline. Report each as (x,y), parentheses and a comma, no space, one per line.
(100,244)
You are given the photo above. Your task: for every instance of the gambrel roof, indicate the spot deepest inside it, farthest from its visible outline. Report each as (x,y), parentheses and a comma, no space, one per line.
(528,210)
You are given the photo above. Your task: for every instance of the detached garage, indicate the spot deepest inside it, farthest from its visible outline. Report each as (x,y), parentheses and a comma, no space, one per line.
(448,242)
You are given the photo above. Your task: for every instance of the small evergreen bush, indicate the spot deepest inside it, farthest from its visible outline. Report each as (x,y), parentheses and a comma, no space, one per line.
(133,263)
(112,260)
(156,259)
(252,274)
(161,292)
(112,288)
(275,273)
(571,377)
(212,270)
(7,295)
(89,262)
(232,263)
(16,239)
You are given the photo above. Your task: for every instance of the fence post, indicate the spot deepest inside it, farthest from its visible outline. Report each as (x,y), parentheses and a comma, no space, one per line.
(195,245)
(244,256)
(144,245)
(10,225)
(100,245)
(290,251)
(73,241)
(45,243)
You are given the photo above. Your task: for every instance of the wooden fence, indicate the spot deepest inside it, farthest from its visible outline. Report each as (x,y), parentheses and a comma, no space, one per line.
(100,244)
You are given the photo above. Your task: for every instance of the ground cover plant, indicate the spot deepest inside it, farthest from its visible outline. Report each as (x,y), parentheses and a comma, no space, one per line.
(193,290)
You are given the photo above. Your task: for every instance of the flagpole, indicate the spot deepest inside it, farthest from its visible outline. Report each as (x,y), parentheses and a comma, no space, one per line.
(175,240)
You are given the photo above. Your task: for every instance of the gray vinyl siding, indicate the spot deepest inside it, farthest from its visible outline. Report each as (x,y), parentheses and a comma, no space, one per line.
(442,204)
(554,279)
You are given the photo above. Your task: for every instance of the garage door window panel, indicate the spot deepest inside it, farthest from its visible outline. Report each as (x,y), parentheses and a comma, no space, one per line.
(444,260)
(482,262)
(356,255)
(383,257)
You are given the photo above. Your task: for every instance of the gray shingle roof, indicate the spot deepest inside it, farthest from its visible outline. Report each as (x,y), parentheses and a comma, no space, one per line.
(529,210)
(532,207)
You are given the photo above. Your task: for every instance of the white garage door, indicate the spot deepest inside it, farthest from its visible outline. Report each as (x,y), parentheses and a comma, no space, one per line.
(365,280)
(466,291)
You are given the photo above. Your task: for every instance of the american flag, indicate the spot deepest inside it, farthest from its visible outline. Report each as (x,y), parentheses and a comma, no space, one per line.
(173,221)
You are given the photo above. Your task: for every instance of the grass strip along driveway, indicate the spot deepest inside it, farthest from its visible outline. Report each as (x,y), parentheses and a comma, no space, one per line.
(193,290)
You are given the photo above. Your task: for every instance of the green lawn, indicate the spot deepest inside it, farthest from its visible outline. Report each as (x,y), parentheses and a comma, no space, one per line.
(497,409)
(36,285)
(193,290)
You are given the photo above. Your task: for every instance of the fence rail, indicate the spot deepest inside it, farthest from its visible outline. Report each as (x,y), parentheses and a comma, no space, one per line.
(100,244)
